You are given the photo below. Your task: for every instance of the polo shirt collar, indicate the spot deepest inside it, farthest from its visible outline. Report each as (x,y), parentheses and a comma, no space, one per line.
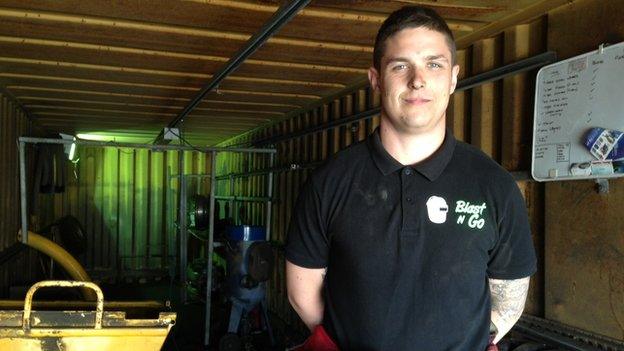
(431,168)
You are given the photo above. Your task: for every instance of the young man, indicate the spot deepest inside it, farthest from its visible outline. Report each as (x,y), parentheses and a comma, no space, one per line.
(410,240)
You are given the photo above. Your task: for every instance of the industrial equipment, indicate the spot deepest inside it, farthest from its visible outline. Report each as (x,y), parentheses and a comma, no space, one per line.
(77,330)
(249,264)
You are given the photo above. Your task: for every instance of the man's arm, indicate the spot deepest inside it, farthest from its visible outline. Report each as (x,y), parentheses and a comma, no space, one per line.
(508,298)
(304,287)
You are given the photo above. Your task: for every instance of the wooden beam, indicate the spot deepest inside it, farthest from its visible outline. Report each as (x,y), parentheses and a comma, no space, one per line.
(538,9)
(124,104)
(140,96)
(327,13)
(167,73)
(171,54)
(223,91)
(83,21)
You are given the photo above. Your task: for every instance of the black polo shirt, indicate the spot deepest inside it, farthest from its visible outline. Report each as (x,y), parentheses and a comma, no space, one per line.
(409,249)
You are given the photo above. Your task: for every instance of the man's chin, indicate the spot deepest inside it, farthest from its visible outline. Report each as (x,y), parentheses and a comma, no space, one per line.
(420,127)
(416,123)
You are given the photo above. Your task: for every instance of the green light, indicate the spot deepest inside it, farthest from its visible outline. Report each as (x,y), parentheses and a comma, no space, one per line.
(72,152)
(95,137)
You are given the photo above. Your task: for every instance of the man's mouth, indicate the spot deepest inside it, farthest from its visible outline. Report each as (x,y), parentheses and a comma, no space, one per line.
(416,101)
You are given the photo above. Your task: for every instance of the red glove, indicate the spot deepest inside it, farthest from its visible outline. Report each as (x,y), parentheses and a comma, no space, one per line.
(318,341)
(492,346)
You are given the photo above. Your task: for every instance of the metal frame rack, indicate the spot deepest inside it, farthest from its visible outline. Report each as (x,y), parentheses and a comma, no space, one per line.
(182,207)
(183,227)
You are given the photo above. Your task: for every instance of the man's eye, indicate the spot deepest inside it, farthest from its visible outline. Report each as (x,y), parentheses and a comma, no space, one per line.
(434,65)
(399,67)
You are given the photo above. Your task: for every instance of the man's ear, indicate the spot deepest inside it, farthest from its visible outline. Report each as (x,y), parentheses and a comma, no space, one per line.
(454,75)
(373,78)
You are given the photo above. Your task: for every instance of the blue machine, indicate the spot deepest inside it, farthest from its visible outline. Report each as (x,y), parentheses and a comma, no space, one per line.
(249,265)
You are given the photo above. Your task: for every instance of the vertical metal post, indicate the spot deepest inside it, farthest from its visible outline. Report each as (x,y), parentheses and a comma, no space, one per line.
(269,202)
(23,195)
(232,211)
(213,182)
(167,242)
(182,227)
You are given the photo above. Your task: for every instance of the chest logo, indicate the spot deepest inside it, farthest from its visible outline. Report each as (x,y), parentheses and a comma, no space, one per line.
(437,209)
(474,213)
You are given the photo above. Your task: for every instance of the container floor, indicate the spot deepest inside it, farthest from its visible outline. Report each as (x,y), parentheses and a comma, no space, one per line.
(188,333)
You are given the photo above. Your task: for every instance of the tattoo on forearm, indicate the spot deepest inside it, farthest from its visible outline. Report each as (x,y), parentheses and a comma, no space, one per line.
(508,297)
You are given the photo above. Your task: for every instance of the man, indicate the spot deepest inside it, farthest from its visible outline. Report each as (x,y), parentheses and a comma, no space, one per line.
(410,240)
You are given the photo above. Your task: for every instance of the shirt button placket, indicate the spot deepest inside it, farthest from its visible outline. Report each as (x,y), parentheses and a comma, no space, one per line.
(408,172)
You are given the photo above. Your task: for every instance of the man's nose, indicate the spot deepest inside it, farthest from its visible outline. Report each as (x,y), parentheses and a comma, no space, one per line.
(417,80)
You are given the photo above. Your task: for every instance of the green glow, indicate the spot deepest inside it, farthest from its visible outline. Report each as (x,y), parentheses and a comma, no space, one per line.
(72,151)
(95,137)
(118,136)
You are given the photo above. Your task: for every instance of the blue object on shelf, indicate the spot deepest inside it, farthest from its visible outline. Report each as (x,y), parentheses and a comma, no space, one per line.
(246,233)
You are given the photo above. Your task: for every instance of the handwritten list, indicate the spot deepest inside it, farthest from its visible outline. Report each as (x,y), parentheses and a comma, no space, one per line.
(573,96)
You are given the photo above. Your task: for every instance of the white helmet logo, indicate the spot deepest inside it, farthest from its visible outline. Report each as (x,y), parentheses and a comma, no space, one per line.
(437,209)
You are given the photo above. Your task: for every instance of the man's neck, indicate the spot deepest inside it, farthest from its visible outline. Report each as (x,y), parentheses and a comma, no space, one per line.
(410,149)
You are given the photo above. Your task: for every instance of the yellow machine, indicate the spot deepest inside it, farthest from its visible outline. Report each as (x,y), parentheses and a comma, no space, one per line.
(80,330)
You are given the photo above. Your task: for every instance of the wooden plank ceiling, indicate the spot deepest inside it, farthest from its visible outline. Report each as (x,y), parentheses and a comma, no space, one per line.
(126,68)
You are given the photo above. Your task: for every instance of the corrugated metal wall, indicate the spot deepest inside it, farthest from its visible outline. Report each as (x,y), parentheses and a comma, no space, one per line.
(127,201)
(495,117)
(13,123)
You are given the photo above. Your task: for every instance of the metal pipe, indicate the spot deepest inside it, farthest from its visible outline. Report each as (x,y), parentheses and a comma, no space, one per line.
(507,70)
(64,258)
(32,140)
(281,17)
(269,203)
(290,167)
(517,175)
(555,339)
(191,175)
(182,230)
(23,195)
(464,84)
(211,222)
(243,198)
(329,125)
(231,214)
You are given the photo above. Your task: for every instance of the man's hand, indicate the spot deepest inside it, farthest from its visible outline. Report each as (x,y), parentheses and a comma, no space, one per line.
(304,287)
(508,298)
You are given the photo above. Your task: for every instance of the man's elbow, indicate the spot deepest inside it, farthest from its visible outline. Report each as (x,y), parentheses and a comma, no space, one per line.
(295,298)
(293,301)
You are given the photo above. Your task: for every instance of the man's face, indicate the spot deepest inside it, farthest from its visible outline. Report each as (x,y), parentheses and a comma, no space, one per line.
(415,79)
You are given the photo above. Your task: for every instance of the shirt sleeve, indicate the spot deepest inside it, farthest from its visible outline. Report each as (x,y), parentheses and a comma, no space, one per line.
(306,244)
(513,256)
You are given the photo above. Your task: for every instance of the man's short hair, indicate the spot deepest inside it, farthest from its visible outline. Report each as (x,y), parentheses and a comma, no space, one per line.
(411,17)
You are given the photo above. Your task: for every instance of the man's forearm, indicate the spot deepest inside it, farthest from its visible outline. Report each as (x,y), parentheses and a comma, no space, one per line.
(508,299)
(305,293)
(311,313)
